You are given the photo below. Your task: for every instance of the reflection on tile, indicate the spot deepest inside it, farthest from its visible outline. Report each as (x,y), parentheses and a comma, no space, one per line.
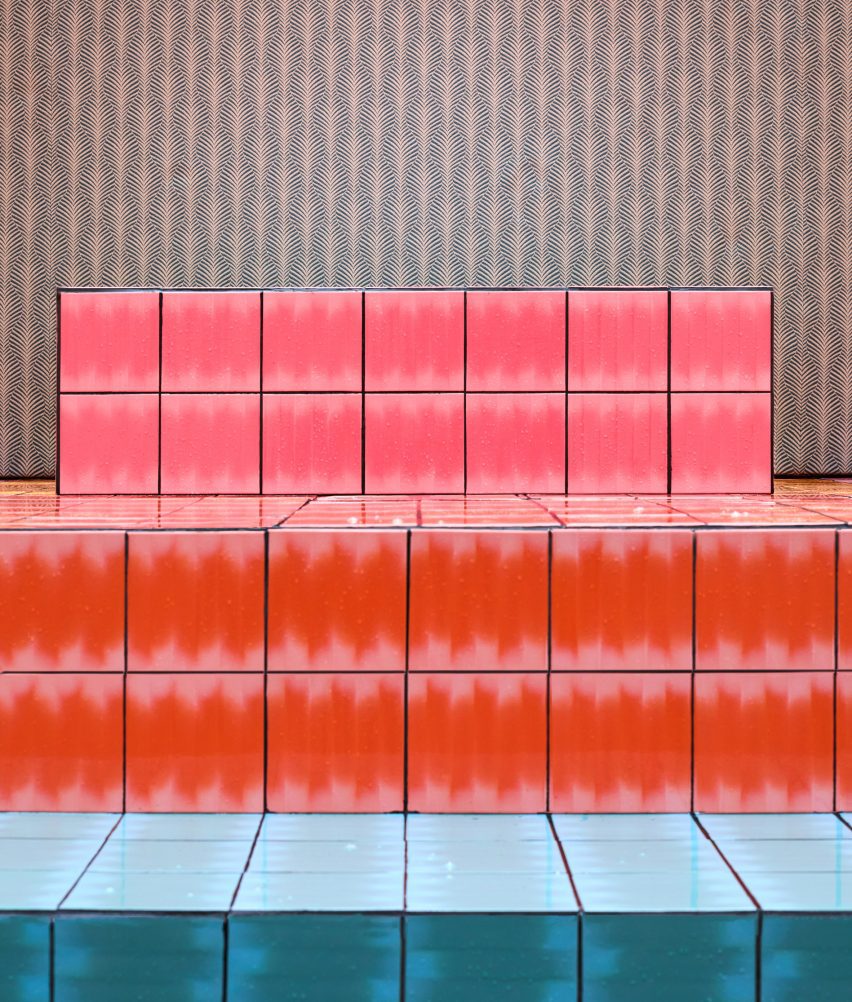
(188,827)
(320,892)
(153,892)
(384,828)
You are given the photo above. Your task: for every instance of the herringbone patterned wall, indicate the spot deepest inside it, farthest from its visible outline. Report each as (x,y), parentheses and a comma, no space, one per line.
(451,142)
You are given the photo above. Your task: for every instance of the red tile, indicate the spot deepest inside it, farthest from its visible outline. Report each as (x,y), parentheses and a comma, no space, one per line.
(764,600)
(477,742)
(478,600)
(350,512)
(516,340)
(844,600)
(63,601)
(337,600)
(622,600)
(844,742)
(515,442)
(60,742)
(195,601)
(110,342)
(195,742)
(414,340)
(312,340)
(618,340)
(721,340)
(617,443)
(763,741)
(312,442)
(211,443)
(336,742)
(414,443)
(721,443)
(108,444)
(620,742)
(211,342)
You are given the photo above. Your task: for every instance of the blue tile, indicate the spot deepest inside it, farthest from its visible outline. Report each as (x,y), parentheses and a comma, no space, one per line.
(24,958)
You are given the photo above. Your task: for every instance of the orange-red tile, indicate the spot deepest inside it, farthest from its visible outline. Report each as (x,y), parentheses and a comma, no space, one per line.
(844,600)
(844,742)
(62,605)
(622,600)
(478,600)
(194,742)
(195,601)
(60,742)
(620,742)
(765,600)
(764,741)
(337,600)
(477,742)
(335,742)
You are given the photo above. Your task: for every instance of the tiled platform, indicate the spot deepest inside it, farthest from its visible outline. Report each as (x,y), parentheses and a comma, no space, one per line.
(419,907)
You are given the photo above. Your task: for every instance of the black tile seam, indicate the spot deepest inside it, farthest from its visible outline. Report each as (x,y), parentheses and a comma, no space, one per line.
(160,399)
(405,682)
(464,386)
(265,671)
(57,399)
(247,863)
(88,865)
(403,950)
(548,685)
(669,393)
(226,949)
(836,639)
(51,960)
(261,421)
(363,393)
(126,666)
(693,635)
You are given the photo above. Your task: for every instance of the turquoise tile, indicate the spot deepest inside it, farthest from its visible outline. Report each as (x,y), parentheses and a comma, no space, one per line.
(480,958)
(806,957)
(669,958)
(138,959)
(24,958)
(313,958)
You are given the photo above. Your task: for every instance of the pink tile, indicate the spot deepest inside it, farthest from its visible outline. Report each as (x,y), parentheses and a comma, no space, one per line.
(515,442)
(312,340)
(211,443)
(110,342)
(721,443)
(312,442)
(516,340)
(108,444)
(617,340)
(211,341)
(414,340)
(414,443)
(374,511)
(721,340)
(617,443)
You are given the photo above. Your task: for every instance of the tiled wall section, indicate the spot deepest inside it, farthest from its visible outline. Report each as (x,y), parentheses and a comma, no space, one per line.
(434,669)
(426,391)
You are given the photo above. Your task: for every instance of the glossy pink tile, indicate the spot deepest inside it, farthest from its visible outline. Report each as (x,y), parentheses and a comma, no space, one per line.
(312,340)
(211,342)
(414,340)
(354,512)
(479,511)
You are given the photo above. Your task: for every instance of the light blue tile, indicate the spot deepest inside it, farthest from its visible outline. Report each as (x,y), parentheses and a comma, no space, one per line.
(629,827)
(779,826)
(57,854)
(153,892)
(665,856)
(34,890)
(692,891)
(790,855)
(45,825)
(798,892)
(321,892)
(206,827)
(477,827)
(172,856)
(505,856)
(272,856)
(490,892)
(360,828)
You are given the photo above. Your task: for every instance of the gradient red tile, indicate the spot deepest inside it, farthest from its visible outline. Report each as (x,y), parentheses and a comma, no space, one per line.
(844,742)
(195,601)
(721,339)
(211,443)
(60,742)
(620,742)
(337,600)
(478,600)
(110,342)
(515,442)
(477,742)
(516,340)
(336,742)
(312,340)
(764,600)
(195,742)
(414,340)
(211,342)
(721,443)
(312,442)
(618,340)
(108,443)
(414,443)
(844,599)
(617,443)
(622,600)
(764,741)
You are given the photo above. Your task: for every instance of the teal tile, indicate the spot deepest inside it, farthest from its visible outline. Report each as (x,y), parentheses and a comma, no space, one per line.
(806,957)
(138,959)
(480,958)
(313,958)
(669,958)
(24,958)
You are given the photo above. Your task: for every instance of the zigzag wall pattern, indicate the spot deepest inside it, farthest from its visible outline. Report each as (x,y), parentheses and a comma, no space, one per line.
(458,142)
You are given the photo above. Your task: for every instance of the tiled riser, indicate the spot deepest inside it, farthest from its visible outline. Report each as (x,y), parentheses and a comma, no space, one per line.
(401,391)
(378,669)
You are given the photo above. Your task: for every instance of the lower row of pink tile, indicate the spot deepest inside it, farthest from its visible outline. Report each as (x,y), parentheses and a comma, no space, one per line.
(476,742)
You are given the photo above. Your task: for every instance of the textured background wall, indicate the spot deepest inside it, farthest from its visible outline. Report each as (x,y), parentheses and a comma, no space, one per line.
(452,142)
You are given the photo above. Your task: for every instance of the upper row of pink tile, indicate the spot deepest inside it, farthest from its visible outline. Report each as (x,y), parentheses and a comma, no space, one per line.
(415,340)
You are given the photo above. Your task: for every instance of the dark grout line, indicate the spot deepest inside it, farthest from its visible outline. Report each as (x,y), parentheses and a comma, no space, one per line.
(565,863)
(407,670)
(247,862)
(85,870)
(265,669)
(694,551)
(124,677)
(548,687)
